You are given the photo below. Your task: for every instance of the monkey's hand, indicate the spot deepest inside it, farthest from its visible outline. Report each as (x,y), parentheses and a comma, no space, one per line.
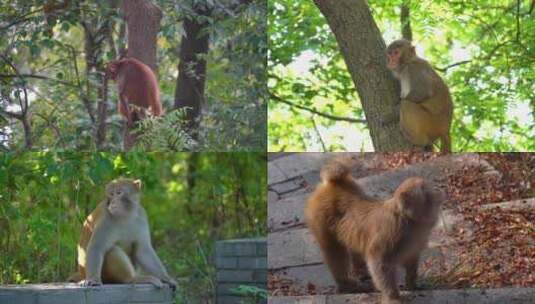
(90,282)
(172,283)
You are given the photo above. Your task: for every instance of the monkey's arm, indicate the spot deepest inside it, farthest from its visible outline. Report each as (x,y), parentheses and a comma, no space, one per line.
(124,108)
(419,86)
(96,248)
(150,262)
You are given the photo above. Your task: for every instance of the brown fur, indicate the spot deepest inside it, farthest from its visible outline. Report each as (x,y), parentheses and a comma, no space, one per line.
(350,227)
(426,108)
(137,85)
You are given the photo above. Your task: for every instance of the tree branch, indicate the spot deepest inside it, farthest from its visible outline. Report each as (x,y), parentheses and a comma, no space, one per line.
(37,77)
(444,69)
(325,115)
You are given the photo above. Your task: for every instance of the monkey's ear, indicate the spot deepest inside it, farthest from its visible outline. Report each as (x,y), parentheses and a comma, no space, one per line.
(137,184)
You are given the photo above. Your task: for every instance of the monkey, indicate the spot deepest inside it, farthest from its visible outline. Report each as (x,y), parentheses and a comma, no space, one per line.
(353,229)
(136,84)
(426,109)
(115,238)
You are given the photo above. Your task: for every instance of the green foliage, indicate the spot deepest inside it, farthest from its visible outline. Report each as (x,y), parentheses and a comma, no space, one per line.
(52,54)
(167,133)
(492,82)
(192,200)
(255,294)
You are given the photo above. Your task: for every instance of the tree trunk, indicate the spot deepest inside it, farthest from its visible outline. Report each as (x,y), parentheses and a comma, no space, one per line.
(364,51)
(190,84)
(142,25)
(102,107)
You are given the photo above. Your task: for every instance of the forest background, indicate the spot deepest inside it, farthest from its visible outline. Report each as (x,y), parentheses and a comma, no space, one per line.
(483,49)
(192,200)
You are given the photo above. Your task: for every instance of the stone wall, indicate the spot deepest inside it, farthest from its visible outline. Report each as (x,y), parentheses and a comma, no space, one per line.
(240,262)
(74,294)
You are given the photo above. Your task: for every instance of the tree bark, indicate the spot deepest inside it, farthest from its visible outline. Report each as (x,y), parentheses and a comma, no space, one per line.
(102,107)
(142,25)
(364,51)
(191,80)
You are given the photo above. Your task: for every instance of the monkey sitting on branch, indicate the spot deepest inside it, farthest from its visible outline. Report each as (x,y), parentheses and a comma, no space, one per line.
(426,108)
(115,239)
(353,229)
(137,85)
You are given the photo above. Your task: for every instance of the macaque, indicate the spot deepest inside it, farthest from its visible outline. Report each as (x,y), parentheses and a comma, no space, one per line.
(137,85)
(115,239)
(426,108)
(353,229)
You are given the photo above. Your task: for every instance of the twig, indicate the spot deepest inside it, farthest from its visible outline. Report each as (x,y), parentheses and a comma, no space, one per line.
(329,116)
(36,76)
(444,69)
(319,134)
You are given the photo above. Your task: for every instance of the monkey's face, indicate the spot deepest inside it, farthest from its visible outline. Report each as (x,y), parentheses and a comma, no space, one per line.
(398,53)
(393,59)
(122,196)
(111,70)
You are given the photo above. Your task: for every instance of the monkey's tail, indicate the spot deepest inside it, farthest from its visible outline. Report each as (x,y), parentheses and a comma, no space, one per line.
(336,170)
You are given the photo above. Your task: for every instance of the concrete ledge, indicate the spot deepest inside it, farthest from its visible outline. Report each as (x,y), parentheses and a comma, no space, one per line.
(456,296)
(70,293)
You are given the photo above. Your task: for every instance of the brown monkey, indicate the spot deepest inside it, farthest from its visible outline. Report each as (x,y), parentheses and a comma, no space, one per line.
(137,85)
(426,108)
(115,239)
(351,227)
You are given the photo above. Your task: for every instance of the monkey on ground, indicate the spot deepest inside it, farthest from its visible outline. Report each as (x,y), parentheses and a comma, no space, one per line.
(426,108)
(137,85)
(353,229)
(115,239)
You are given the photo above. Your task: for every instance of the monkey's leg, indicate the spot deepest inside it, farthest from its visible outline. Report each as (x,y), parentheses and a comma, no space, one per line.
(118,268)
(361,271)
(416,123)
(124,109)
(337,259)
(411,269)
(384,277)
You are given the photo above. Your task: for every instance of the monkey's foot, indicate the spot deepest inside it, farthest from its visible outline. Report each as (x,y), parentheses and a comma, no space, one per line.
(89,283)
(348,287)
(172,283)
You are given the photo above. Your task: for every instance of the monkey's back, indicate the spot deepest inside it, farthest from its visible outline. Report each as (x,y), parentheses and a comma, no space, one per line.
(343,208)
(136,72)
